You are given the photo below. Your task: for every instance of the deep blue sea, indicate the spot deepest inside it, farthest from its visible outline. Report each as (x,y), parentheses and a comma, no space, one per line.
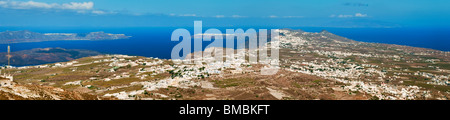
(155,41)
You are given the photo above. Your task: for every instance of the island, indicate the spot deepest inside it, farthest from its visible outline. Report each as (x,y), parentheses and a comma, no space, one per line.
(39,56)
(29,36)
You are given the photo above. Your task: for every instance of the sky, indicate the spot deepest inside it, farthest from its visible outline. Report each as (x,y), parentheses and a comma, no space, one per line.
(273,13)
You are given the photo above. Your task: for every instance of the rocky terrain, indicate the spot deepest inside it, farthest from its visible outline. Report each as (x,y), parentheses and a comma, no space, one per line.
(313,66)
(37,92)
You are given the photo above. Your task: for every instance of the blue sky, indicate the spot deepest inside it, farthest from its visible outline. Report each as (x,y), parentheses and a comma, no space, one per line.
(282,13)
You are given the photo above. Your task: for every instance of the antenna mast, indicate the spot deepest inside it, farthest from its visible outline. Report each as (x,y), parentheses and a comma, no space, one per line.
(9,55)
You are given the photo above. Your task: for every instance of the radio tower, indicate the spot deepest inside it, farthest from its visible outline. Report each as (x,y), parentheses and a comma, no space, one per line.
(8,75)
(9,52)
(9,55)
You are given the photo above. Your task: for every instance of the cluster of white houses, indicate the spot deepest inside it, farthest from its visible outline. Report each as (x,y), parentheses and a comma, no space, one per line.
(362,77)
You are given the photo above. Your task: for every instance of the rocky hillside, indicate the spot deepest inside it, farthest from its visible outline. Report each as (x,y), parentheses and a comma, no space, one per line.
(313,66)
(37,92)
(382,70)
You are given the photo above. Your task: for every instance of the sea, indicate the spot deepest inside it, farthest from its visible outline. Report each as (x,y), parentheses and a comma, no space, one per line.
(156,41)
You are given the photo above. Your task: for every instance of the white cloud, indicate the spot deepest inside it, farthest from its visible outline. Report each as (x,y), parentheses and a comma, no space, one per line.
(78,6)
(99,12)
(350,16)
(360,15)
(219,16)
(42,5)
(273,16)
(292,16)
(345,16)
(188,15)
(25,5)
(215,16)
(237,16)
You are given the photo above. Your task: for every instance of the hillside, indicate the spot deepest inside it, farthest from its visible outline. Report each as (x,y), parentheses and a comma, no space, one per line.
(320,66)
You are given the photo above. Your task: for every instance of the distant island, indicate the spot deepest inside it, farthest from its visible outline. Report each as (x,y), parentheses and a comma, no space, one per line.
(39,56)
(28,36)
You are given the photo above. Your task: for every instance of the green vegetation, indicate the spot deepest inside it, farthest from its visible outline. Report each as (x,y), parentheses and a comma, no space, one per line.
(297,85)
(317,81)
(443,66)
(374,98)
(233,82)
(428,57)
(92,87)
